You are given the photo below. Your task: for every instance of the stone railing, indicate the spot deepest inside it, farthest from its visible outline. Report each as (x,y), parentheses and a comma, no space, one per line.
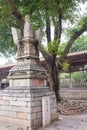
(74,93)
(74,85)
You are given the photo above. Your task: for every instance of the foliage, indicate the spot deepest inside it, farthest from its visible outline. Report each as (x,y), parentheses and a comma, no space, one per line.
(76,27)
(6,44)
(39,10)
(53,47)
(61,49)
(64,66)
(44,14)
(78,76)
(7,20)
(81,22)
(64,75)
(80,44)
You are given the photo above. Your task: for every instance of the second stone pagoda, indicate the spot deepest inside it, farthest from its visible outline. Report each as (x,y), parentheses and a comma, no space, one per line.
(27,72)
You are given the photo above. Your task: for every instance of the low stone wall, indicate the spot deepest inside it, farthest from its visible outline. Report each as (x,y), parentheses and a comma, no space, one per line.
(24,109)
(74,93)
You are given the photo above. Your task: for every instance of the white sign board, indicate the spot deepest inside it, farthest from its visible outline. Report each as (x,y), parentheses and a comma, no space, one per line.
(46,111)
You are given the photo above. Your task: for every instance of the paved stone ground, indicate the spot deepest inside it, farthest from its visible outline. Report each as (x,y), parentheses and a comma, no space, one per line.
(77,122)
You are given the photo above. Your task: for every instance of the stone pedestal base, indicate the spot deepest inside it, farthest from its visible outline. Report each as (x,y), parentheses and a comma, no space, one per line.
(23,107)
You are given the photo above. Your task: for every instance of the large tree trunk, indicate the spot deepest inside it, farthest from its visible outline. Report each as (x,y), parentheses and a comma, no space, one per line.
(53,78)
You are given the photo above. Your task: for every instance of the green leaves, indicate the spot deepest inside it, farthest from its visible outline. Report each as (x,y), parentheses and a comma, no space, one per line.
(53,47)
(6,43)
(80,44)
(56,48)
(64,66)
(61,49)
(82,21)
(39,11)
(78,76)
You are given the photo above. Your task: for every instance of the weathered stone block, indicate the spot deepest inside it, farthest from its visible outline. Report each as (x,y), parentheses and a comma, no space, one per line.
(0,97)
(22,109)
(25,99)
(32,116)
(38,82)
(54,117)
(17,103)
(21,115)
(15,108)
(37,109)
(8,113)
(37,122)
(6,98)
(39,115)
(34,104)
(2,102)
(38,99)
(8,108)
(26,109)
(54,110)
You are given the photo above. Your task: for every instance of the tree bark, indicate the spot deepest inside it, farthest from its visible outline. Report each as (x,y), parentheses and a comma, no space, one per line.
(16,13)
(51,60)
(58,27)
(48,30)
(72,39)
(53,77)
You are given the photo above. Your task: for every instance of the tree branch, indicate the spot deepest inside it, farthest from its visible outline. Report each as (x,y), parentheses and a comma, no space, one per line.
(43,51)
(19,17)
(73,38)
(58,28)
(48,28)
(15,12)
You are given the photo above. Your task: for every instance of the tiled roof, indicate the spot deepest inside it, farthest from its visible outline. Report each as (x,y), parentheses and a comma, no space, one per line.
(4,71)
(75,59)
(78,58)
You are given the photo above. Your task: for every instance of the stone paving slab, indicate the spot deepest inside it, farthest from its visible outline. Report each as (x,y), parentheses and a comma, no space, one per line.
(77,122)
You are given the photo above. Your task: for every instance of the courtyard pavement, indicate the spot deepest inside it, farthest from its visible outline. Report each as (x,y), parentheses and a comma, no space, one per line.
(77,122)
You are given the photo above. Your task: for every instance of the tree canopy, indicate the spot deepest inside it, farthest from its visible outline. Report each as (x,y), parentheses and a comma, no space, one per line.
(44,15)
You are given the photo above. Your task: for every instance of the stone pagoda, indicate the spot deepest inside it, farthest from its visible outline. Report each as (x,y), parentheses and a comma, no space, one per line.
(21,103)
(28,72)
